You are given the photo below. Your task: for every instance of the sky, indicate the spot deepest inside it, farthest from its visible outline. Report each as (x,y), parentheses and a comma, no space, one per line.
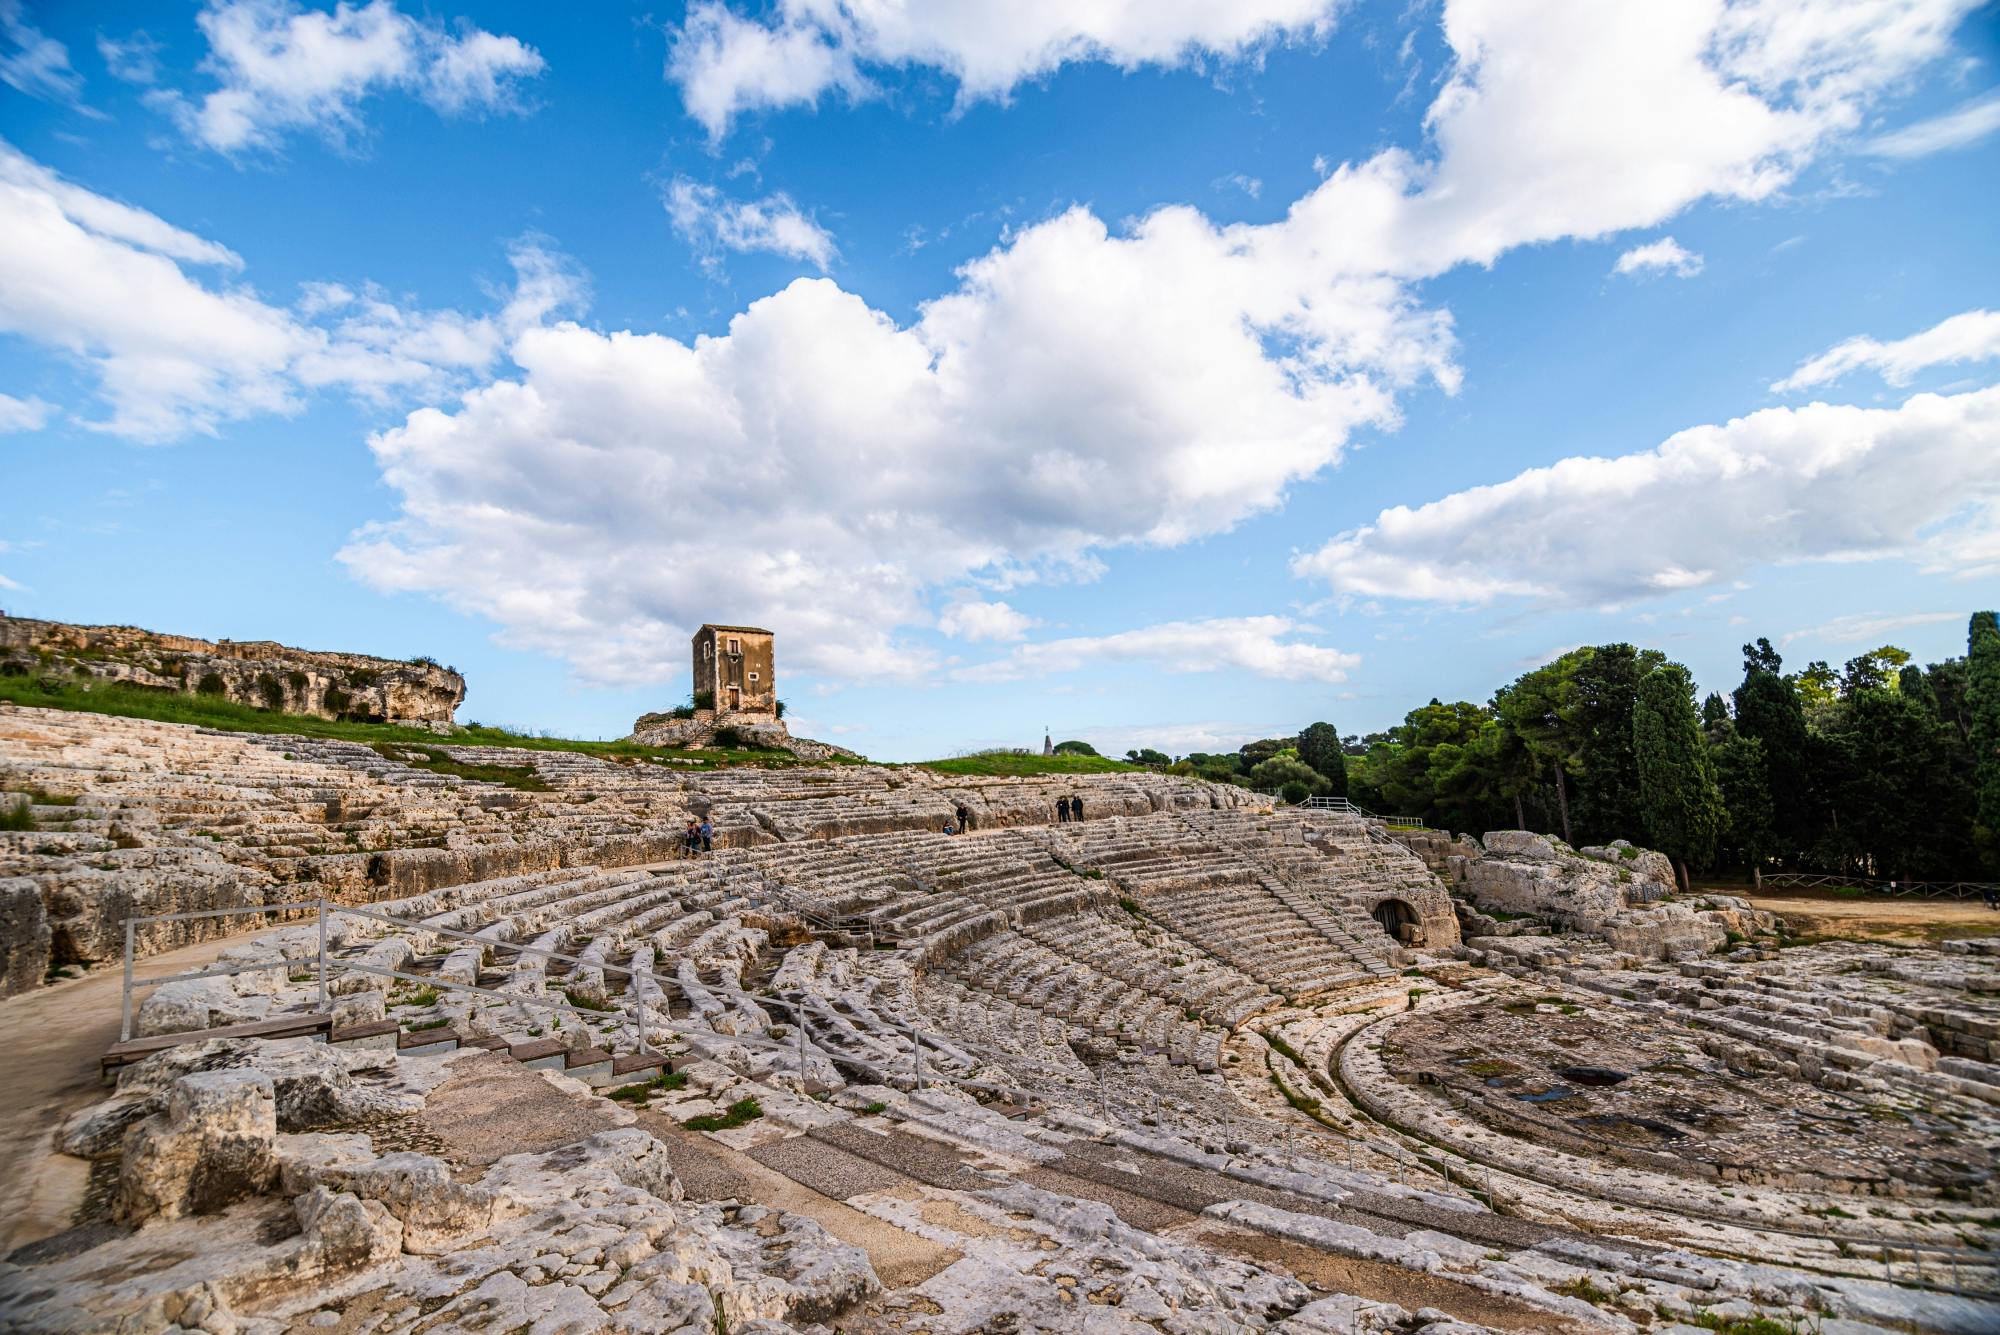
(1150,372)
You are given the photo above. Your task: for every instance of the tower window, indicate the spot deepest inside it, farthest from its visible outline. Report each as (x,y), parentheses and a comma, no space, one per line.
(735,647)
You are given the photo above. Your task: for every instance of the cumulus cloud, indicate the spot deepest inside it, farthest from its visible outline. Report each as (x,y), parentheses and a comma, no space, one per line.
(1264,646)
(726,64)
(1959,128)
(280,68)
(971,619)
(29,414)
(1858,628)
(1820,483)
(1657,257)
(1970,337)
(1080,388)
(175,352)
(31,61)
(711,221)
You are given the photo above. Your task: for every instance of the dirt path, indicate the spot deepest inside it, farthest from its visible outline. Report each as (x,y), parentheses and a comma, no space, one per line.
(53,1038)
(1880,917)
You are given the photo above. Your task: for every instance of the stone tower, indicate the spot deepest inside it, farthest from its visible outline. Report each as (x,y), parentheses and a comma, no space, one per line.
(735,671)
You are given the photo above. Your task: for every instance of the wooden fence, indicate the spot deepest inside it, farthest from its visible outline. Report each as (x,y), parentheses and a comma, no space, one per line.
(1794,880)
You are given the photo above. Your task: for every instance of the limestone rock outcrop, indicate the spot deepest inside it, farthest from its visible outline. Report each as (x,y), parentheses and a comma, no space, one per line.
(258,673)
(1618,891)
(697,731)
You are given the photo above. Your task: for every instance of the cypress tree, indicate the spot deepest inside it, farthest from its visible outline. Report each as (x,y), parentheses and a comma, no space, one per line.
(1982,707)
(1678,793)
(1319,747)
(1768,708)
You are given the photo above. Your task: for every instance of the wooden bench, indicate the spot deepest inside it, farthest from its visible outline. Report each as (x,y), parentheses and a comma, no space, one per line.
(315,1024)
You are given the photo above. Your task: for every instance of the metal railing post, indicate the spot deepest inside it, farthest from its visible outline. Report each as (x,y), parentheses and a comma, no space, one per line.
(320,904)
(125,1006)
(640,982)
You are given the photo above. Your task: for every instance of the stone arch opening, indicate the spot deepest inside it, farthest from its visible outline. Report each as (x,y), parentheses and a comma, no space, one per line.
(1400,921)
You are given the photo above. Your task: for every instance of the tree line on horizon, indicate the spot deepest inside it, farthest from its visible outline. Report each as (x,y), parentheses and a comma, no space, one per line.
(1885,768)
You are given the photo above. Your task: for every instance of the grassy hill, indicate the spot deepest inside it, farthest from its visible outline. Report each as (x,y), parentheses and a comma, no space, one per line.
(227,716)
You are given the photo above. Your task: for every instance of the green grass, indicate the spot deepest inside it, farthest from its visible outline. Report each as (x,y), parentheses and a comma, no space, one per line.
(17,816)
(126,701)
(875,1107)
(587,1003)
(438,1023)
(432,759)
(645,1089)
(1584,1289)
(1009,765)
(739,1112)
(423,996)
(1287,1049)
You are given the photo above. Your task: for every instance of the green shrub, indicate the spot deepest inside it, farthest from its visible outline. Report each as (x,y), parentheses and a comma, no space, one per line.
(875,1107)
(1295,792)
(587,1003)
(272,690)
(210,684)
(779,708)
(1075,748)
(297,680)
(17,816)
(362,678)
(336,700)
(729,739)
(704,699)
(739,1112)
(645,1089)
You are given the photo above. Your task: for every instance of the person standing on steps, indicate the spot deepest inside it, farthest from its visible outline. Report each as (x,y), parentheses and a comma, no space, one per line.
(707,831)
(691,840)
(1075,807)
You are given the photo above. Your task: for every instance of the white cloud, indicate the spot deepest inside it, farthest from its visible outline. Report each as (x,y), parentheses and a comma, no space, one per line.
(1663,256)
(1959,128)
(282,68)
(1970,337)
(710,220)
(1862,627)
(1263,646)
(1081,388)
(971,619)
(1818,483)
(173,354)
(33,62)
(29,414)
(134,58)
(726,65)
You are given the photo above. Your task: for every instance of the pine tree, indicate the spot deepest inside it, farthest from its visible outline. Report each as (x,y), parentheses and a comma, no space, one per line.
(1678,794)
(1982,705)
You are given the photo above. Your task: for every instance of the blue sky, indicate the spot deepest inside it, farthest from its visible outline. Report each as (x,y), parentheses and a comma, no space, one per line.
(1167,375)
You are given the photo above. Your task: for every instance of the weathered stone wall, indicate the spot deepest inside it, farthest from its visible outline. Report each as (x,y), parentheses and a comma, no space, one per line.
(258,673)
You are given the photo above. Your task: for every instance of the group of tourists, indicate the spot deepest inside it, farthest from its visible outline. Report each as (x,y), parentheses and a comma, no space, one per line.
(1069,809)
(699,837)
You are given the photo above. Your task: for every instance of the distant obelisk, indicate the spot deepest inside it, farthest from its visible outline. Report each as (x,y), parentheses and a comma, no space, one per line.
(1048,747)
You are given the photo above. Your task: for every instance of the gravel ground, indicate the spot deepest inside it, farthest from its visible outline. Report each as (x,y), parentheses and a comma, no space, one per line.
(928,1161)
(492,1106)
(825,1168)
